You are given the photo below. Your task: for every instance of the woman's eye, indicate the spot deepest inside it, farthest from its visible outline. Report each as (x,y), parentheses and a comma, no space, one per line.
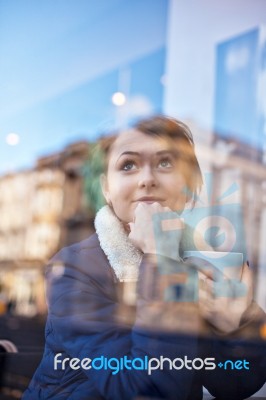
(128,166)
(165,163)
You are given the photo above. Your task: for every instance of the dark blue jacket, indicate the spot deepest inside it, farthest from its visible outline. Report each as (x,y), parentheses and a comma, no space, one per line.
(86,319)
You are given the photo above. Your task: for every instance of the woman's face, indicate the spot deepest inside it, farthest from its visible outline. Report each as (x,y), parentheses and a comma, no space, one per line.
(144,168)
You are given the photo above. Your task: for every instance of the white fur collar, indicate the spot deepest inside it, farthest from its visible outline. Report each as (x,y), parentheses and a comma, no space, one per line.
(124,258)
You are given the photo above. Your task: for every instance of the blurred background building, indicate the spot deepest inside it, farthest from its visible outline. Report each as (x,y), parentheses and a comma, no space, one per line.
(71,71)
(42,209)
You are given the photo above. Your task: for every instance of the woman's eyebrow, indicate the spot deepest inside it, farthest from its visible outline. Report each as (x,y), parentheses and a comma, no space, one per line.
(132,153)
(158,153)
(172,153)
(126,153)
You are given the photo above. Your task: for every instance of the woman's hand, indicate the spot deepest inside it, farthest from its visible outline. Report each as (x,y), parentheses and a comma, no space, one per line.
(156,229)
(224,313)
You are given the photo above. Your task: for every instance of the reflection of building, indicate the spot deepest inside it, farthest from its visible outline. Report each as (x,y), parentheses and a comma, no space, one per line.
(237,176)
(240,131)
(241,167)
(41,211)
(238,172)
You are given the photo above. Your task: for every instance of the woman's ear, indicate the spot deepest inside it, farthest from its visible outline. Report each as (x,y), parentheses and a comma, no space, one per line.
(104,186)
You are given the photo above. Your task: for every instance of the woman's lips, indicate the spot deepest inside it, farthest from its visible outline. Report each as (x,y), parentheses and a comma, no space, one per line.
(149,200)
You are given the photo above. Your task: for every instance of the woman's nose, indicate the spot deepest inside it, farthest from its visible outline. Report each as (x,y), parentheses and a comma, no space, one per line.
(147,178)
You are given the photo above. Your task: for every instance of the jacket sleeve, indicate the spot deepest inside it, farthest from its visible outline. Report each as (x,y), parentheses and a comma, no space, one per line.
(84,315)
(240,358)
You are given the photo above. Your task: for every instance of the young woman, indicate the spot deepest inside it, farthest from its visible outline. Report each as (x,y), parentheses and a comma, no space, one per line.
(107,338)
